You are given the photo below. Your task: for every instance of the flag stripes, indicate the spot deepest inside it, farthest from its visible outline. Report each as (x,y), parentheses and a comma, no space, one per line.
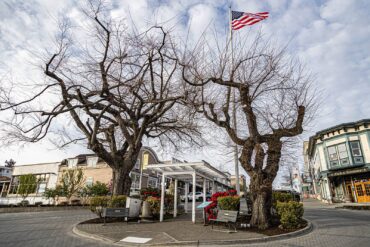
(242,19)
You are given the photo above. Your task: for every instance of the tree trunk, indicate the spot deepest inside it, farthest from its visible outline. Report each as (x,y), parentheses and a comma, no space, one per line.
(121,181)
(261,193)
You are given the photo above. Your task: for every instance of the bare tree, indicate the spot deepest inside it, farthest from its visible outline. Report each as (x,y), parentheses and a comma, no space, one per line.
(114,86)
(273,100)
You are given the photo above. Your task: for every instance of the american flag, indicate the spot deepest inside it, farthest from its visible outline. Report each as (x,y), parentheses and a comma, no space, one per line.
(241,19)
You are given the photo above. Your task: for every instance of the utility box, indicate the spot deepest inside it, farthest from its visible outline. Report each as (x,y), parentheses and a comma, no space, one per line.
(134,205)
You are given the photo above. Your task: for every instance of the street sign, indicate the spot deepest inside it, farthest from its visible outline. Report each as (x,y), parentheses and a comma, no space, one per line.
(203,204)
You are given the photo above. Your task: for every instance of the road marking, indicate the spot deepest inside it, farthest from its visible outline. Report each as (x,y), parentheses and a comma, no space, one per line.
(136,240)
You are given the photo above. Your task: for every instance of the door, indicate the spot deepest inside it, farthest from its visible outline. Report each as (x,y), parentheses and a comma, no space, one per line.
(363,191)
(349,192)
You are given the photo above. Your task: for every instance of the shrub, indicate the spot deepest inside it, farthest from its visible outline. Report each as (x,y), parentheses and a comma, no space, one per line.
(228,202)
(23,203)
(117,202)
(97,189)
(97,203)
(290,214)
(281,197)
(155,205)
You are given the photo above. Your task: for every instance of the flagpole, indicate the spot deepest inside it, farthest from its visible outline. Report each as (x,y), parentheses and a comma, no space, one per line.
(236,163)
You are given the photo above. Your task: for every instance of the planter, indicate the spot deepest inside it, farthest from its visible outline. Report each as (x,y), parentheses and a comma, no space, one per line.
(146,211)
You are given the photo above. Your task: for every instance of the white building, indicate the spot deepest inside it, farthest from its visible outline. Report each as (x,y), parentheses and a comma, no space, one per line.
(47,177)
(339,160)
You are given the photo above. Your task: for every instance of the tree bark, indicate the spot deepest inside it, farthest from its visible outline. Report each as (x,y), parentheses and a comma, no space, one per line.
(121,181)
(261,195)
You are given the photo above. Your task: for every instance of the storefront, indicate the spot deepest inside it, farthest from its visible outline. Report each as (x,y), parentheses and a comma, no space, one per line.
(351,185)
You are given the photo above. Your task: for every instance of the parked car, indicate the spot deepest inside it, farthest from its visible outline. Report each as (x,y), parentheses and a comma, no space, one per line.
(198,196)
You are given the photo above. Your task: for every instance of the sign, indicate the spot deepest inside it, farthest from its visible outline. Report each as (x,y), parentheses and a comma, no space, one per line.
(145,160)
(204,204)
(348,172)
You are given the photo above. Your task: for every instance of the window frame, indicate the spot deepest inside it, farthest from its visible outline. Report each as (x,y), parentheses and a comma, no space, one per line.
(340,160)
(359,148)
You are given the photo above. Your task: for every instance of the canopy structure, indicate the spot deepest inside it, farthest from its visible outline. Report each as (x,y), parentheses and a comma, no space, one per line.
(194,173)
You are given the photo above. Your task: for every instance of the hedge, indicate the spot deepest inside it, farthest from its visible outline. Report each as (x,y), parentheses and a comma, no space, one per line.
(228,203)
(290,214)
(97,203)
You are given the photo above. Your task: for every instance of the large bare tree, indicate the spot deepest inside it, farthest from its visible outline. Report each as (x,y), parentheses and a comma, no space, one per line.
(114,86)
(273,99)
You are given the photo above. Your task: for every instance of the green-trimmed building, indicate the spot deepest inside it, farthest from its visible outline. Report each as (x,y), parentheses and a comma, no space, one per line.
(339,162)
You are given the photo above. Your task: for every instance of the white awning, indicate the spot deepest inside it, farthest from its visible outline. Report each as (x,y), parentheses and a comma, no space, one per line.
(194,173)
(181,171)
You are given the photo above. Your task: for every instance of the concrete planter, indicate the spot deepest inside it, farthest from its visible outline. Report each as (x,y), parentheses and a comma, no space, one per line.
(146,212)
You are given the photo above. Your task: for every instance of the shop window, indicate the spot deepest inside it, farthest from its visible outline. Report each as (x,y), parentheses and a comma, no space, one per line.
(367,189)
(359,190)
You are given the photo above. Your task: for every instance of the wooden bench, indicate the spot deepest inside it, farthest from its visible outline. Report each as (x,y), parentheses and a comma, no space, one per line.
(226,216)
(115,213)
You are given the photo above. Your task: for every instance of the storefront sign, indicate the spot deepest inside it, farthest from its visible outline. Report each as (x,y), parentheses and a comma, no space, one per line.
(348,172)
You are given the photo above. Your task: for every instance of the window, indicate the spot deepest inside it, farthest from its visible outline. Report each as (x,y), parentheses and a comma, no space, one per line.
(332,153)
(72,163)
(359,190)
(356,152)
(343,154)
(135,181)
(338,155)
(41,188)
(367,189)
(92,161)
(89,181)
(152,182)
(145,160)
(355,147)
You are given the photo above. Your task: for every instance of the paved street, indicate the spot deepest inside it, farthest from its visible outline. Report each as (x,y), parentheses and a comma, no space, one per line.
(333,227)
(43,229)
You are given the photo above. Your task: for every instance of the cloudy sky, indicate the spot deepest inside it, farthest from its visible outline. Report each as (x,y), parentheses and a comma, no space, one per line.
(330,37)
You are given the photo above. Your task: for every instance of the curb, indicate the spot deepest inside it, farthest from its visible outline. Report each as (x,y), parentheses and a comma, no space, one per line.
(83,234)
(289,235)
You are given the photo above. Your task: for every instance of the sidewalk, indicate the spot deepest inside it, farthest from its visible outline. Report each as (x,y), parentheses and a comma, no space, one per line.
(179,231)
(167,232)
(347,205)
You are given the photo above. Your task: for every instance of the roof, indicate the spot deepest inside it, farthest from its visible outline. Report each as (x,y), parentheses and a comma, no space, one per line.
(182,171)
(83,157)
(335,128)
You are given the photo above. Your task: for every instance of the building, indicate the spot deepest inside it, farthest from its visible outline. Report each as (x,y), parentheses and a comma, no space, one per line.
(242,182)
(46,175)
(5,177)
(96,169)
(339,161)
(307,186)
